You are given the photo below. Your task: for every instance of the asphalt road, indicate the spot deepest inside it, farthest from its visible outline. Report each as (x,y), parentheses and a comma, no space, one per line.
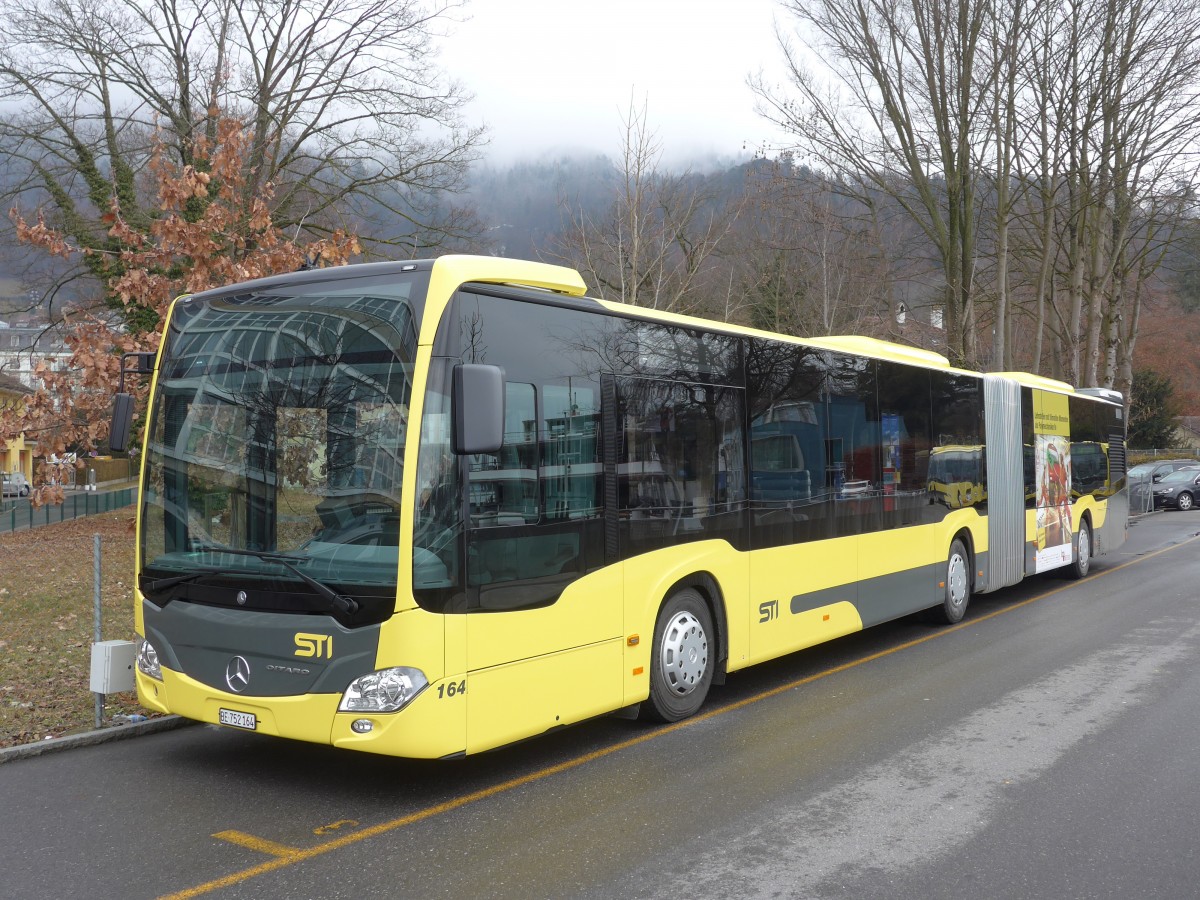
(1046,747)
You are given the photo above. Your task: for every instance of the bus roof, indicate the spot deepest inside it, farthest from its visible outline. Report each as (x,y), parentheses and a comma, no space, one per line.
(501,270)
(1037,381)
(855,344)
(453,270)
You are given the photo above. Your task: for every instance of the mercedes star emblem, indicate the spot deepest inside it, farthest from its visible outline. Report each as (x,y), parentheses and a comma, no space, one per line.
(241,598)
(237,674)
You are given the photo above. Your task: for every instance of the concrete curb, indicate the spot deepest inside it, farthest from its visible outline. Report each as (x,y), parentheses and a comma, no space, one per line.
(91,738)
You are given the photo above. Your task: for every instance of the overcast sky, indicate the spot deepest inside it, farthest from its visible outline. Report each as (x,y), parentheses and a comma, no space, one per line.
(554,75)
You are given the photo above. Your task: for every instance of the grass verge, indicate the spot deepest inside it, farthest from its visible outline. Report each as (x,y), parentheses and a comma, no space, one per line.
(46,624)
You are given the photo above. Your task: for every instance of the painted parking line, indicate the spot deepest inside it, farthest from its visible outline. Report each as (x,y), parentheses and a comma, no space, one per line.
(295,855)
(262,845)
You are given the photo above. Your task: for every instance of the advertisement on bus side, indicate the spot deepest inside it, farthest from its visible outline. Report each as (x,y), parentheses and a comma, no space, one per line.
(1052,459)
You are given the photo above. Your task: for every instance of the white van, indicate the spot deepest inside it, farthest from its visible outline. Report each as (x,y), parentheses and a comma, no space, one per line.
(15,485)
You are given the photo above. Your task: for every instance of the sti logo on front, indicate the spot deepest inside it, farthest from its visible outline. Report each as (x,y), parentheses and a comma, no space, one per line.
(316,646)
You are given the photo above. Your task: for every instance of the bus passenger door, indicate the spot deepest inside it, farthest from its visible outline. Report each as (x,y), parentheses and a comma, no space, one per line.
(532,670)
(544,619)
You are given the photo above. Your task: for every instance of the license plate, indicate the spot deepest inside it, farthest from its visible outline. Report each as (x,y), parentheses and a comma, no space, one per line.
(237,719)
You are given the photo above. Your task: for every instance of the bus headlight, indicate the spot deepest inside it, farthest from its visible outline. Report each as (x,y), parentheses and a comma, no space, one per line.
(147,659)
(387,690)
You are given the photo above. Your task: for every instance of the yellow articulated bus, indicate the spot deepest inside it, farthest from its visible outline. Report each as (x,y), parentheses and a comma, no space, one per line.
(430,508)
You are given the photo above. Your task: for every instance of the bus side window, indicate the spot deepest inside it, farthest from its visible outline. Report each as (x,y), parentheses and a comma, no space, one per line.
(504,488)
(680,464)
(790,453)
(957,476)
(571,470)
(854,479)
(529,503)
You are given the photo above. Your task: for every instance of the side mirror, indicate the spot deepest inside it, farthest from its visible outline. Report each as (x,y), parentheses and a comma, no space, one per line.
(123,404)
(122,422)
(478,399)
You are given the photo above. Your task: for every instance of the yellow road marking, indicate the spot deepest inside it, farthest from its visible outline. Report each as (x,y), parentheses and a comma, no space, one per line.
(262,845)
(295,855)
(334,826)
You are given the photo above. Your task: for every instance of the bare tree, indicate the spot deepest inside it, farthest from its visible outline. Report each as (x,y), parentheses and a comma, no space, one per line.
(69,408)
(1053,137)
(902,119)
(1110,110)
(654,244)
(805,257)
(349,116)
(1004,40)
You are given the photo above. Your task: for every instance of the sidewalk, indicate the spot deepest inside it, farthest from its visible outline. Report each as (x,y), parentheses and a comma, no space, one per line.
(91,738)
(17,515)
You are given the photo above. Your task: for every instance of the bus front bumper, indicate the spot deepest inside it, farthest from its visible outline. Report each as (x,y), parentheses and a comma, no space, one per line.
(432,726)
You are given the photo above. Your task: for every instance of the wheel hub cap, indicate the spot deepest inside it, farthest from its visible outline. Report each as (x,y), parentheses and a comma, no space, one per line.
(684,656)
(957,580)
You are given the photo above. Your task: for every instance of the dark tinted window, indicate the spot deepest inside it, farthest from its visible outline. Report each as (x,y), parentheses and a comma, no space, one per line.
(680,464)
(905,444)
(852,445)
(842,445)
(534,511)
(1027,441)
(1097,447)
(957,471)
(677,354)
(791,481)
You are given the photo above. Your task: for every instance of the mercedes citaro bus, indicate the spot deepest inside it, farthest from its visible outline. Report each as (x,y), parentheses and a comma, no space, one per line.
(429,508)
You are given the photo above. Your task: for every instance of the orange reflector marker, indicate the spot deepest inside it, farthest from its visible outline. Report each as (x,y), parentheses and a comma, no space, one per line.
(941,584)
(638,670)
(633,641)
(825,618)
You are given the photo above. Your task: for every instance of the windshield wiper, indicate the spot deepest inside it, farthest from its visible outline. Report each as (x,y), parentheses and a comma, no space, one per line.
(162,584)
(346,604)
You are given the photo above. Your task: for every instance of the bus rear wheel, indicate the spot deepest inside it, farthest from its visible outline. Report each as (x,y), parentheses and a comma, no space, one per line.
(681,658)
(1083,551)
(957,583)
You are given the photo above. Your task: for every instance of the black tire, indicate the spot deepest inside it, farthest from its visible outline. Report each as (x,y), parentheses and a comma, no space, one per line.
(682,658)
(1081,564)
(957,585)
(1185,501)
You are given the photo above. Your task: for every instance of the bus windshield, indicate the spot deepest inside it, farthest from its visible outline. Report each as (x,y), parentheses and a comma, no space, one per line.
(278,427)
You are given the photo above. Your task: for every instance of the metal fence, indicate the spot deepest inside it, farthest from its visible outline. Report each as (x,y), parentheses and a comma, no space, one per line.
(1141,492)
(20,514)
(1151,455)
(1141,499)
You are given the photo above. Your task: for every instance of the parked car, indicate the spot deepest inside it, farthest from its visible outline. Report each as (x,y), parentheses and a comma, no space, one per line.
(15,485)
(1180,489)
(1144,476)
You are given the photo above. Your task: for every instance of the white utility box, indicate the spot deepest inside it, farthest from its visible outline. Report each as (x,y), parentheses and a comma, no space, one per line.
(112,667)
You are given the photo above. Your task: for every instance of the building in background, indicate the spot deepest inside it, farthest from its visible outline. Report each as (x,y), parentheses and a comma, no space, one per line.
(16,453)
(23,346)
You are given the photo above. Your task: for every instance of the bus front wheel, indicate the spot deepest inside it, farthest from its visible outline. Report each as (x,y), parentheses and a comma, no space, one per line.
(681,658)
(957,585)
